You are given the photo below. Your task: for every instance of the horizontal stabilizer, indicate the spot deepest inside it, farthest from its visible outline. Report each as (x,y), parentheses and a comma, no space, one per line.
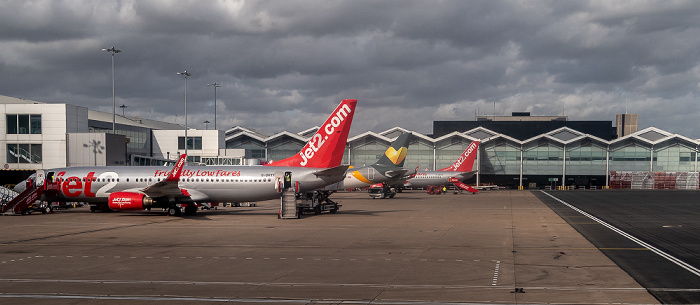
(395,173)
(333,171)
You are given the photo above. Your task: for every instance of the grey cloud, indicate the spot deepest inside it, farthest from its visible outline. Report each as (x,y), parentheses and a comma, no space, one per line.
(285,64)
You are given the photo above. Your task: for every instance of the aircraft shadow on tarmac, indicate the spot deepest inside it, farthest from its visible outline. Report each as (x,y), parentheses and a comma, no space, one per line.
(204,215)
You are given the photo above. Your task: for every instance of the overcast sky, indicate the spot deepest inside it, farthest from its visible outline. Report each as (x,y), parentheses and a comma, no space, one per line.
(285,65)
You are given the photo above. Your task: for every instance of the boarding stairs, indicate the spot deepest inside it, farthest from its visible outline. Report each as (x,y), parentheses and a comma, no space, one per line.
(21,203)
(463,186)
(288,204)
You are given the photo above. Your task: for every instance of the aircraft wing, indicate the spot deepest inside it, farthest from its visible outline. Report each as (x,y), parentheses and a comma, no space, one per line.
(168,187)
(465,175)
(164,189)
(333,171)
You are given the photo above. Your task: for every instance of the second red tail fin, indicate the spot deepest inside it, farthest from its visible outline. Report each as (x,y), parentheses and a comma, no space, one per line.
(465,162)
(326,147)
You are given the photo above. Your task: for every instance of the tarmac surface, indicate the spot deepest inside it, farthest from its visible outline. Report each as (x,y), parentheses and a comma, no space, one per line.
(656,237)
(502,247)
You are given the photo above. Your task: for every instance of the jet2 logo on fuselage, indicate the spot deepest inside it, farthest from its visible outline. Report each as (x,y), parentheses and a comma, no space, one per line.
(73,187)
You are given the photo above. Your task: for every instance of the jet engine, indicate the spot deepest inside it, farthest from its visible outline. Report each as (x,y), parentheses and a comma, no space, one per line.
(129,201)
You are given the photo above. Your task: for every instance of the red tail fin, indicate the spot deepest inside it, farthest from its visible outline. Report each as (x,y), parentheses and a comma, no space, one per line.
(325,149)
(177,170)
(465,162)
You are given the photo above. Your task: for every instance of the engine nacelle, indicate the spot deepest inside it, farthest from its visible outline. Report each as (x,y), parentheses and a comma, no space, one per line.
(129,201)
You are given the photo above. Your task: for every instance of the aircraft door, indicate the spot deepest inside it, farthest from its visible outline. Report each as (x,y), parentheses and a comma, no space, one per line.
(287,180)
(40,178)
(279,181)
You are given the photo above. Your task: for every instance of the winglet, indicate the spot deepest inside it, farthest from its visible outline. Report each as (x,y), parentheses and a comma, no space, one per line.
(326,147)
(465,162)
(177,170)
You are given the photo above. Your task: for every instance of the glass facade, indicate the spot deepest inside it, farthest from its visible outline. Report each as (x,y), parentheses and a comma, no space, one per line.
(448,150)
(221,161)
(284,147)
(577,158)
(420,153)
(24,153)
(35,123)
(630,155)
(193,143)
(139,138)
(586,157)
(254,148)
(23,123)
(148,161)
(674,156)
(500,157)
(543,157)
(367,150)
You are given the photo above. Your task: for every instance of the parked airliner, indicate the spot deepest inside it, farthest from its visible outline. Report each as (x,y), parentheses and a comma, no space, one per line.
(456,173)
(146,187)
(387,168)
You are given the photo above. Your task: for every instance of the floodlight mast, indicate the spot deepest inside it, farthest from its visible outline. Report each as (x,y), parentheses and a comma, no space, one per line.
(186,75)
(113,50)
(215,85)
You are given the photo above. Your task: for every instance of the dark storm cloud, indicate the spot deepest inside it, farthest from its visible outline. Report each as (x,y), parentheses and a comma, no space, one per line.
(284,65)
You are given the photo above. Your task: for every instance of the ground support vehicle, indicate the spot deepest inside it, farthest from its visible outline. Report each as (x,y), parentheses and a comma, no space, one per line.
(381,191)
(434,190)
(316,202)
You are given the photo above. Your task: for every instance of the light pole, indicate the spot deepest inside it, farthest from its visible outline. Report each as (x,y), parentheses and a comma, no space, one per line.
(186,75)
(113,50)
(215,85)
(206,125)
(123,107)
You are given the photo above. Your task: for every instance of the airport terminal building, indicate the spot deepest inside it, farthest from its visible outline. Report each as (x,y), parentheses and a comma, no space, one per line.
(515,151)
(561,155)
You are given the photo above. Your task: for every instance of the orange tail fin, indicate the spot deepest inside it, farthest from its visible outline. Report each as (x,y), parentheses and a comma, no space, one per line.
(325,149)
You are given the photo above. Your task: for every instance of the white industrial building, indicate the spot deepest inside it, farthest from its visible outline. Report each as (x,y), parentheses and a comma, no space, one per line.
(36,135)
(204,146)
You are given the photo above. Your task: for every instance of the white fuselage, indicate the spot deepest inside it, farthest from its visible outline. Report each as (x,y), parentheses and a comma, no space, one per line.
(202,183)
(427,178)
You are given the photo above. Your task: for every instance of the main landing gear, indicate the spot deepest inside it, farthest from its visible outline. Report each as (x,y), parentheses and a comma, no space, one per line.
(176,210)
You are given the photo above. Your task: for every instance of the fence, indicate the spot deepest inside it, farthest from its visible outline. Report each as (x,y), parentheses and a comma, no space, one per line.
(654,180)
